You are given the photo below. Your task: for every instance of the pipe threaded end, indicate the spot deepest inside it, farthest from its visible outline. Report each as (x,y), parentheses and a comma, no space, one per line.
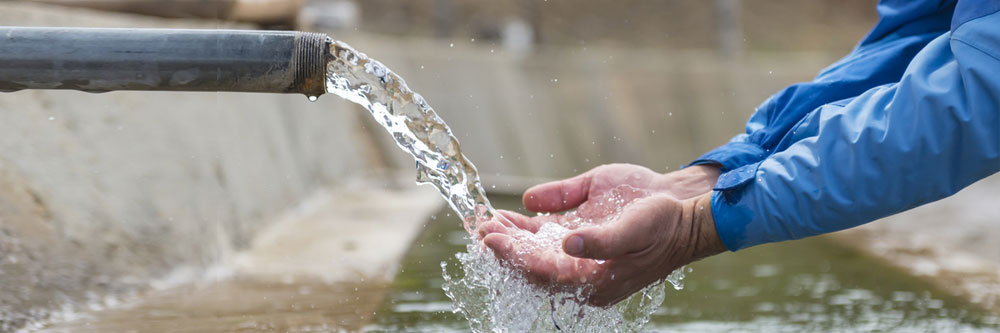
(309,63)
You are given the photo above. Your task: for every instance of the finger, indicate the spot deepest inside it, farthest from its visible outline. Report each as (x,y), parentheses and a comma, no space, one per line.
(500,218)
(521,221)
(559,195)
(542,267)
(502,245)
(491,227)
(634,231)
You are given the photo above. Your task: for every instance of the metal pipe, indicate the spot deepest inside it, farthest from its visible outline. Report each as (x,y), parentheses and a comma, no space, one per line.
(100,60)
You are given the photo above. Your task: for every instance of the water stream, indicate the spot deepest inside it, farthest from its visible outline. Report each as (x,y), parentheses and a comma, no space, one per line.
(493,297)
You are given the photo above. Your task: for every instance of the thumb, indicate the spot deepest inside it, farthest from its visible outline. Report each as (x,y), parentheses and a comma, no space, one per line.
(635,230)
(605,242)
(559,195)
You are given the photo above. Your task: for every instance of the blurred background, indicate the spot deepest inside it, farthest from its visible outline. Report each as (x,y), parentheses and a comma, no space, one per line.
(104,196)
(549,89)
(649,82)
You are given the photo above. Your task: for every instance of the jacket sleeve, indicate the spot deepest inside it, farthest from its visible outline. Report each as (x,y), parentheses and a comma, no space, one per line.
(892,148)
(904,27)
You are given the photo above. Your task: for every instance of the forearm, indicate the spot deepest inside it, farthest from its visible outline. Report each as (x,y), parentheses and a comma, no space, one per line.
(893,148)
(903,30)
(706,241)
(691,181)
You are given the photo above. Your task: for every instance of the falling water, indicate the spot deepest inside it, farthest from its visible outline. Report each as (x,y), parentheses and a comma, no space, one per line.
(491,296)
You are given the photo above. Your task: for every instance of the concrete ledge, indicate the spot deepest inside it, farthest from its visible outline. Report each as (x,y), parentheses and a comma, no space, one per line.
(952,242)
(356,234)
(323,266)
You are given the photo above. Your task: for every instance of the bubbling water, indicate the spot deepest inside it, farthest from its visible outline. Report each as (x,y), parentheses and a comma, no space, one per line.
(493,297)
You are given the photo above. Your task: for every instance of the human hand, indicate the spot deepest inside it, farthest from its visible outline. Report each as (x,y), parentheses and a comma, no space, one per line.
(566,194)
(651,237)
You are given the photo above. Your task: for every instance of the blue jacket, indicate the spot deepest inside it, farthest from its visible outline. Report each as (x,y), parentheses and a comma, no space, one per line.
(912,115)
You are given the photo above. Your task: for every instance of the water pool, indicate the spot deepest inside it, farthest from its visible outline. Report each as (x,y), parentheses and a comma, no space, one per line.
(807,285)
(812,285)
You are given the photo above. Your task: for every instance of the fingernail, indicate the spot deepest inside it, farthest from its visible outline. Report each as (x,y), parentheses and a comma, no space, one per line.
(492,242)
(573,245)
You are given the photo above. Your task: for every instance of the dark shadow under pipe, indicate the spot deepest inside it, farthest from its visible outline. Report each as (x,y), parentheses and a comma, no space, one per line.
(100,60)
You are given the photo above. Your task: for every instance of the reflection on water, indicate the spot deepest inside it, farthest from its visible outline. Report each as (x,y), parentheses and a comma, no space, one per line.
(808,285)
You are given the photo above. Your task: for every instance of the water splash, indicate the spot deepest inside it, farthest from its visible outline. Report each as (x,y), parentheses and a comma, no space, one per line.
(497,298)
(491,296)
(414,126)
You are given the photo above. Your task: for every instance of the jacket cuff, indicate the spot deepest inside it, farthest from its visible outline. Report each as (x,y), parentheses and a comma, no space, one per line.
(731,222)
(732,156)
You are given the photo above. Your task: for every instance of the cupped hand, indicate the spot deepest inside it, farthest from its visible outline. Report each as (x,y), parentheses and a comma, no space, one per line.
(669,227)
(566,194)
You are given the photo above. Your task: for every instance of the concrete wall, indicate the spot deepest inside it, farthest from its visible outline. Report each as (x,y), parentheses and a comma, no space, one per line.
(110,190)
(101,193)
(561,111)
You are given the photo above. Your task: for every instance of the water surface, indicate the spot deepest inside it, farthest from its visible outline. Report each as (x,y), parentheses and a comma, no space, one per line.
(807,285)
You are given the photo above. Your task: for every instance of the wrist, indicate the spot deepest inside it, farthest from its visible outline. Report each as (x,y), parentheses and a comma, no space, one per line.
(707,242)
(691,181)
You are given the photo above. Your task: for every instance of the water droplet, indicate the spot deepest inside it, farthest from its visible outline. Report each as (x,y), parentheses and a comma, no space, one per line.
(599,261)
(52,118)
(451,45)
(313,98)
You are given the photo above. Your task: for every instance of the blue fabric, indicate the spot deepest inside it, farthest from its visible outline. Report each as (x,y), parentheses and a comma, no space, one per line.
(904,28)
(972,9)
(733,155)
(893,147)
(910,17)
